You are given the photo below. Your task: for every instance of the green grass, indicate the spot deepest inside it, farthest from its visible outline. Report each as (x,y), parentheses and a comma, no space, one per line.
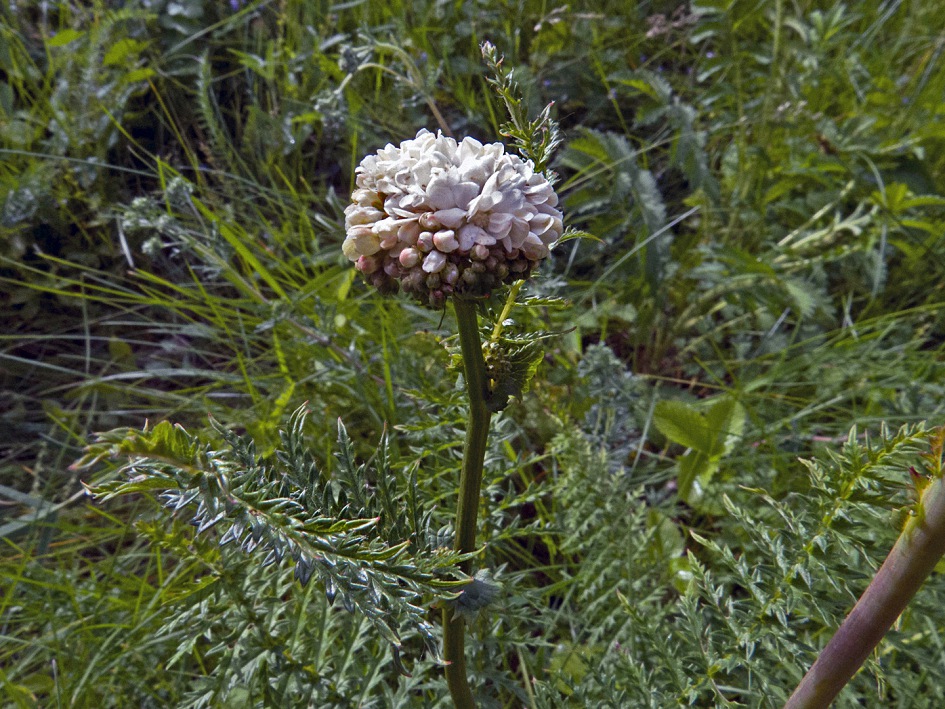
(765,183)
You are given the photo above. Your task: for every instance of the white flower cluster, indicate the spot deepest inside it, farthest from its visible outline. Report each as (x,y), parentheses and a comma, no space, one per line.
(440,217)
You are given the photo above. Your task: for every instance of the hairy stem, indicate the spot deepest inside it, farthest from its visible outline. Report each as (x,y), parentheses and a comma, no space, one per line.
(474,452)
(915,554)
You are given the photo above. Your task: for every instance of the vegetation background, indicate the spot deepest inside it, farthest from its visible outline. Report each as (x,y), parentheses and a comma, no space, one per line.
(709,466)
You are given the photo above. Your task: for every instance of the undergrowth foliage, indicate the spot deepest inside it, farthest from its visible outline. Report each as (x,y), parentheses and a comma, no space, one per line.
(730,615)
(361,533)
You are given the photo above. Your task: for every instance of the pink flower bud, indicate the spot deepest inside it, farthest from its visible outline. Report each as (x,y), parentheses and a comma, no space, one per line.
(425,242)
(428,221)
(409,257)
(445,241)
(367,264)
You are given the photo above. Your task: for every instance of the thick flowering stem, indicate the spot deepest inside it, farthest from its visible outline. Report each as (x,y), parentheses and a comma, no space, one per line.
(917,551)
(474,451)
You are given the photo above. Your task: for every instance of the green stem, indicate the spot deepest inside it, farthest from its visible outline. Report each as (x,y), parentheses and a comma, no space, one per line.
(506,309)
(474,452)
(917,551)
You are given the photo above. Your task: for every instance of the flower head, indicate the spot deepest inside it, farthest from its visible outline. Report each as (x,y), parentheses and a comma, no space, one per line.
(437,217)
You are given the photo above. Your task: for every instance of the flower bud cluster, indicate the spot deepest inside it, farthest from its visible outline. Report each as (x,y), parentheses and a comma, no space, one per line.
(437,217)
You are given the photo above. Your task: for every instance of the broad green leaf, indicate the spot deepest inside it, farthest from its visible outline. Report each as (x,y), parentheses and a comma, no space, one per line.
(666,541)
(683,424)
(695,473)
(61,39)
(726,421)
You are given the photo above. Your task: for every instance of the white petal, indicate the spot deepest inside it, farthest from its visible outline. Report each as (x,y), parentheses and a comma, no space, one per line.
(362,215)
(500,223)
(434,262)
(387,184)
(539,192)
(470,148)
(533,248)
(540,223)
(485,238)
(491,186)
(443,159)
(518,232)
(409,232)
(468,236)
(421,172)
(452,218)
(402,213)
(390,225)
(366,243)
(412,201)
(554,231)
(439,193)
(350,249)
(464,192)
(475,171)
(365,198)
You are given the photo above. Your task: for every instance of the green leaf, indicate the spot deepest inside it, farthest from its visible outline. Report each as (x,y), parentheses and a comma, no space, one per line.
(683,424)
(61,39)
(511,364)
(641,86)
(726,422)
(571,234)
(695,473)
(709,436)
(136,75)
(570,664)
(124,51)
(166,440)
(665,541)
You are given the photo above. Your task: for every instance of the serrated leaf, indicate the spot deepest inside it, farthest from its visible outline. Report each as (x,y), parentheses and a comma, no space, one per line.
(641,86)
(571,234)
(683,424)
(359,543)
(543,302)
(801,295)
(123,51)
(648,198)
(513,366)
(166,441)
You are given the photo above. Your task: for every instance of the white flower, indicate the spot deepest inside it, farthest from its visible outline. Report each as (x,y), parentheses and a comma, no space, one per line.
(439,217)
